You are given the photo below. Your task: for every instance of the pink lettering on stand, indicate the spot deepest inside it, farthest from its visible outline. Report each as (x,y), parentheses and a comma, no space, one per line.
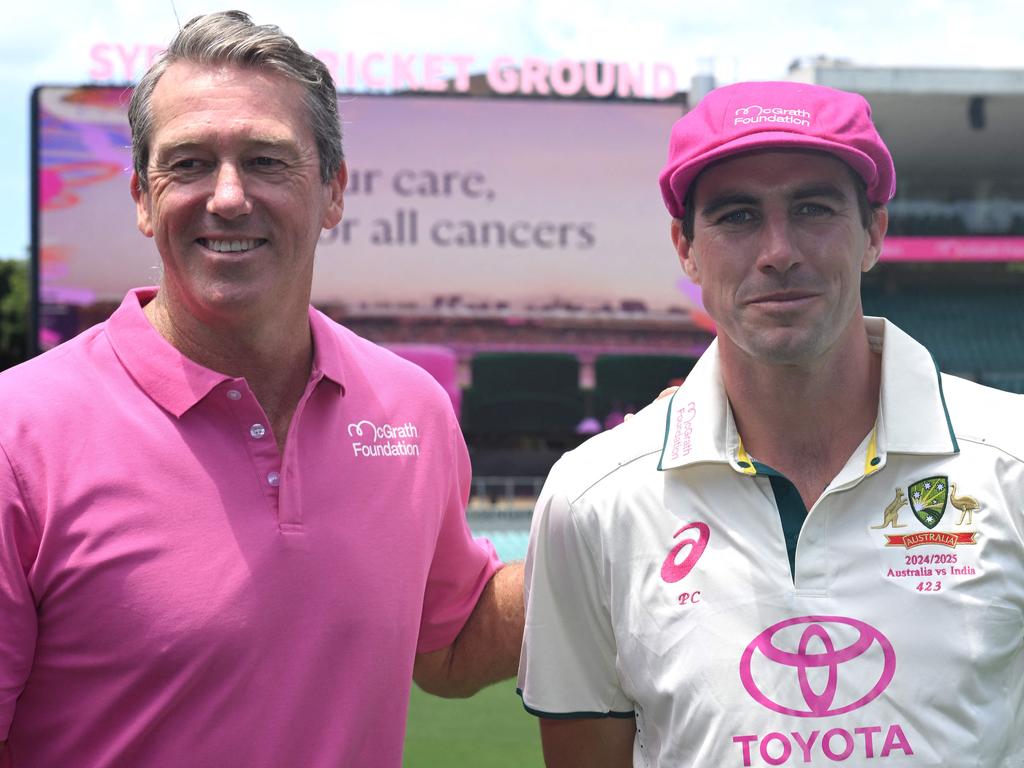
(434,72)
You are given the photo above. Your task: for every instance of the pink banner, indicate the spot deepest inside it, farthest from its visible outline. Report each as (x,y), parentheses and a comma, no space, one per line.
(953,249)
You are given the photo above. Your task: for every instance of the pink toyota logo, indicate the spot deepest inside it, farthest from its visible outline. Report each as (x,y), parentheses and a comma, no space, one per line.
(774,646)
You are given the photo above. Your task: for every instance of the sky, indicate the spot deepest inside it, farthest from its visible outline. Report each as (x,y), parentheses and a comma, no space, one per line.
(57,41)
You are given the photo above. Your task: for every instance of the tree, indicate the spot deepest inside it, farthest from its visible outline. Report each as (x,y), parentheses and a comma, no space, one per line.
(13,312)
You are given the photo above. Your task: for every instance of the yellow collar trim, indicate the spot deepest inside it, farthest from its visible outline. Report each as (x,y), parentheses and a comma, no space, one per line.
(744,463)
(872,461)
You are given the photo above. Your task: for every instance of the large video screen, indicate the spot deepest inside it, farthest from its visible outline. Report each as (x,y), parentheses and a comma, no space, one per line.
(495,207)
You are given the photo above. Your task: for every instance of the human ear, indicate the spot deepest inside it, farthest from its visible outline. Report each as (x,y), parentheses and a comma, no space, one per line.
(876,236)
(141,198)
(336,204)
(685,251)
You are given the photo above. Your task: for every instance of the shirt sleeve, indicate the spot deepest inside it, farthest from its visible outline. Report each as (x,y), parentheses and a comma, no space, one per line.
(462,566)
(18,546)
(568,663)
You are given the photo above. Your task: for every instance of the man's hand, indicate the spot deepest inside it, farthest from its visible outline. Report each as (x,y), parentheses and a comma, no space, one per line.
(667,392)
(487,648)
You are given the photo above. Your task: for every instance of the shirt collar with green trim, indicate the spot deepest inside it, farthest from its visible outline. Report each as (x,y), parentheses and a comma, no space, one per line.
(912,415)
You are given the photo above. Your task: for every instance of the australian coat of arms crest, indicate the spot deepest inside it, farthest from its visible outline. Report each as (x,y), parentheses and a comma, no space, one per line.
(928,499)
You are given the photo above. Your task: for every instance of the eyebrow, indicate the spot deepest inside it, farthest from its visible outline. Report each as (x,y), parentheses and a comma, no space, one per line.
(190,145)
(726,200)
(824,190)
(278,144)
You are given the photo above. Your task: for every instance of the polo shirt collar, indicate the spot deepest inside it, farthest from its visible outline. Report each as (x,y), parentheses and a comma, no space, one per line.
(328,349)
(912,414)
(176,382)
(699,425)
(913,407)
(173,381)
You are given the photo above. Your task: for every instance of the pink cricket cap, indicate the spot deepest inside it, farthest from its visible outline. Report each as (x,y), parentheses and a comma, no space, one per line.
(780,115)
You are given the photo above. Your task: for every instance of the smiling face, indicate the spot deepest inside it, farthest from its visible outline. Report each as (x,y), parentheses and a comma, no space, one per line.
(778,248)
(234,199)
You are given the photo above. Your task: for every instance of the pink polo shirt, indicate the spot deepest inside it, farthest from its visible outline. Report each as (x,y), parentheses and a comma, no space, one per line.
(175,591)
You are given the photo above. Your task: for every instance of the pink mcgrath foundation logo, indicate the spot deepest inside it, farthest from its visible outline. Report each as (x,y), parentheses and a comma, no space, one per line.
(755,114)
(815,653)
(386,440)
(682,434)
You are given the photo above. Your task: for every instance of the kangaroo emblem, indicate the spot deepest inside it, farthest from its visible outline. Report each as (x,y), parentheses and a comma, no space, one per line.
(890,517)
(967,505)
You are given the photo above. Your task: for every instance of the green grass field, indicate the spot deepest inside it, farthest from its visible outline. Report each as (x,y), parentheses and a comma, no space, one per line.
(489,730)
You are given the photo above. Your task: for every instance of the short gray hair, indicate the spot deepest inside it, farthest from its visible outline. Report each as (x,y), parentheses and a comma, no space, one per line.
(230,37)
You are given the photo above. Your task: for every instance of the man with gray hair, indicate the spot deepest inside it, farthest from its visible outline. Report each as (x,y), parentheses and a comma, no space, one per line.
(198,564)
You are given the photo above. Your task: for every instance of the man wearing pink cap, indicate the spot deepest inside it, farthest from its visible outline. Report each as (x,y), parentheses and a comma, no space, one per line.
(814,553)
(230,530)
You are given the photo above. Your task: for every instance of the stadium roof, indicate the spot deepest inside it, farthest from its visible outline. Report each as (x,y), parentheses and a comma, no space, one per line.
(938,121)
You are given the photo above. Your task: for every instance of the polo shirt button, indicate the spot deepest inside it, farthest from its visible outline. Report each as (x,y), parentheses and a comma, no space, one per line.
(274,479)
(257,431)
(234,394)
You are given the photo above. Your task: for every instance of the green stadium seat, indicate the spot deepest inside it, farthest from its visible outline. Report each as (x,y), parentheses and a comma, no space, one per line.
(629,382)
(972,331)
(523,394)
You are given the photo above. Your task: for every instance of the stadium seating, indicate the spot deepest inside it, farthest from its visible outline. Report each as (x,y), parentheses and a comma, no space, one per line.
(523,394)
(969,331)
(626,383)
(937,224)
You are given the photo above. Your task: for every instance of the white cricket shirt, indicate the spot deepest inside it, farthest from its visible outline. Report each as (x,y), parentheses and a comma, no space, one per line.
(659,584)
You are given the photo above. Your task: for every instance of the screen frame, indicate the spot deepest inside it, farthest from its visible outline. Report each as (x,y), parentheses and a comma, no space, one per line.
(677,103)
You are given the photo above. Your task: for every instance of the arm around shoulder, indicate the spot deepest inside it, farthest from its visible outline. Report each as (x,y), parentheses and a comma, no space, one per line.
(486,649)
